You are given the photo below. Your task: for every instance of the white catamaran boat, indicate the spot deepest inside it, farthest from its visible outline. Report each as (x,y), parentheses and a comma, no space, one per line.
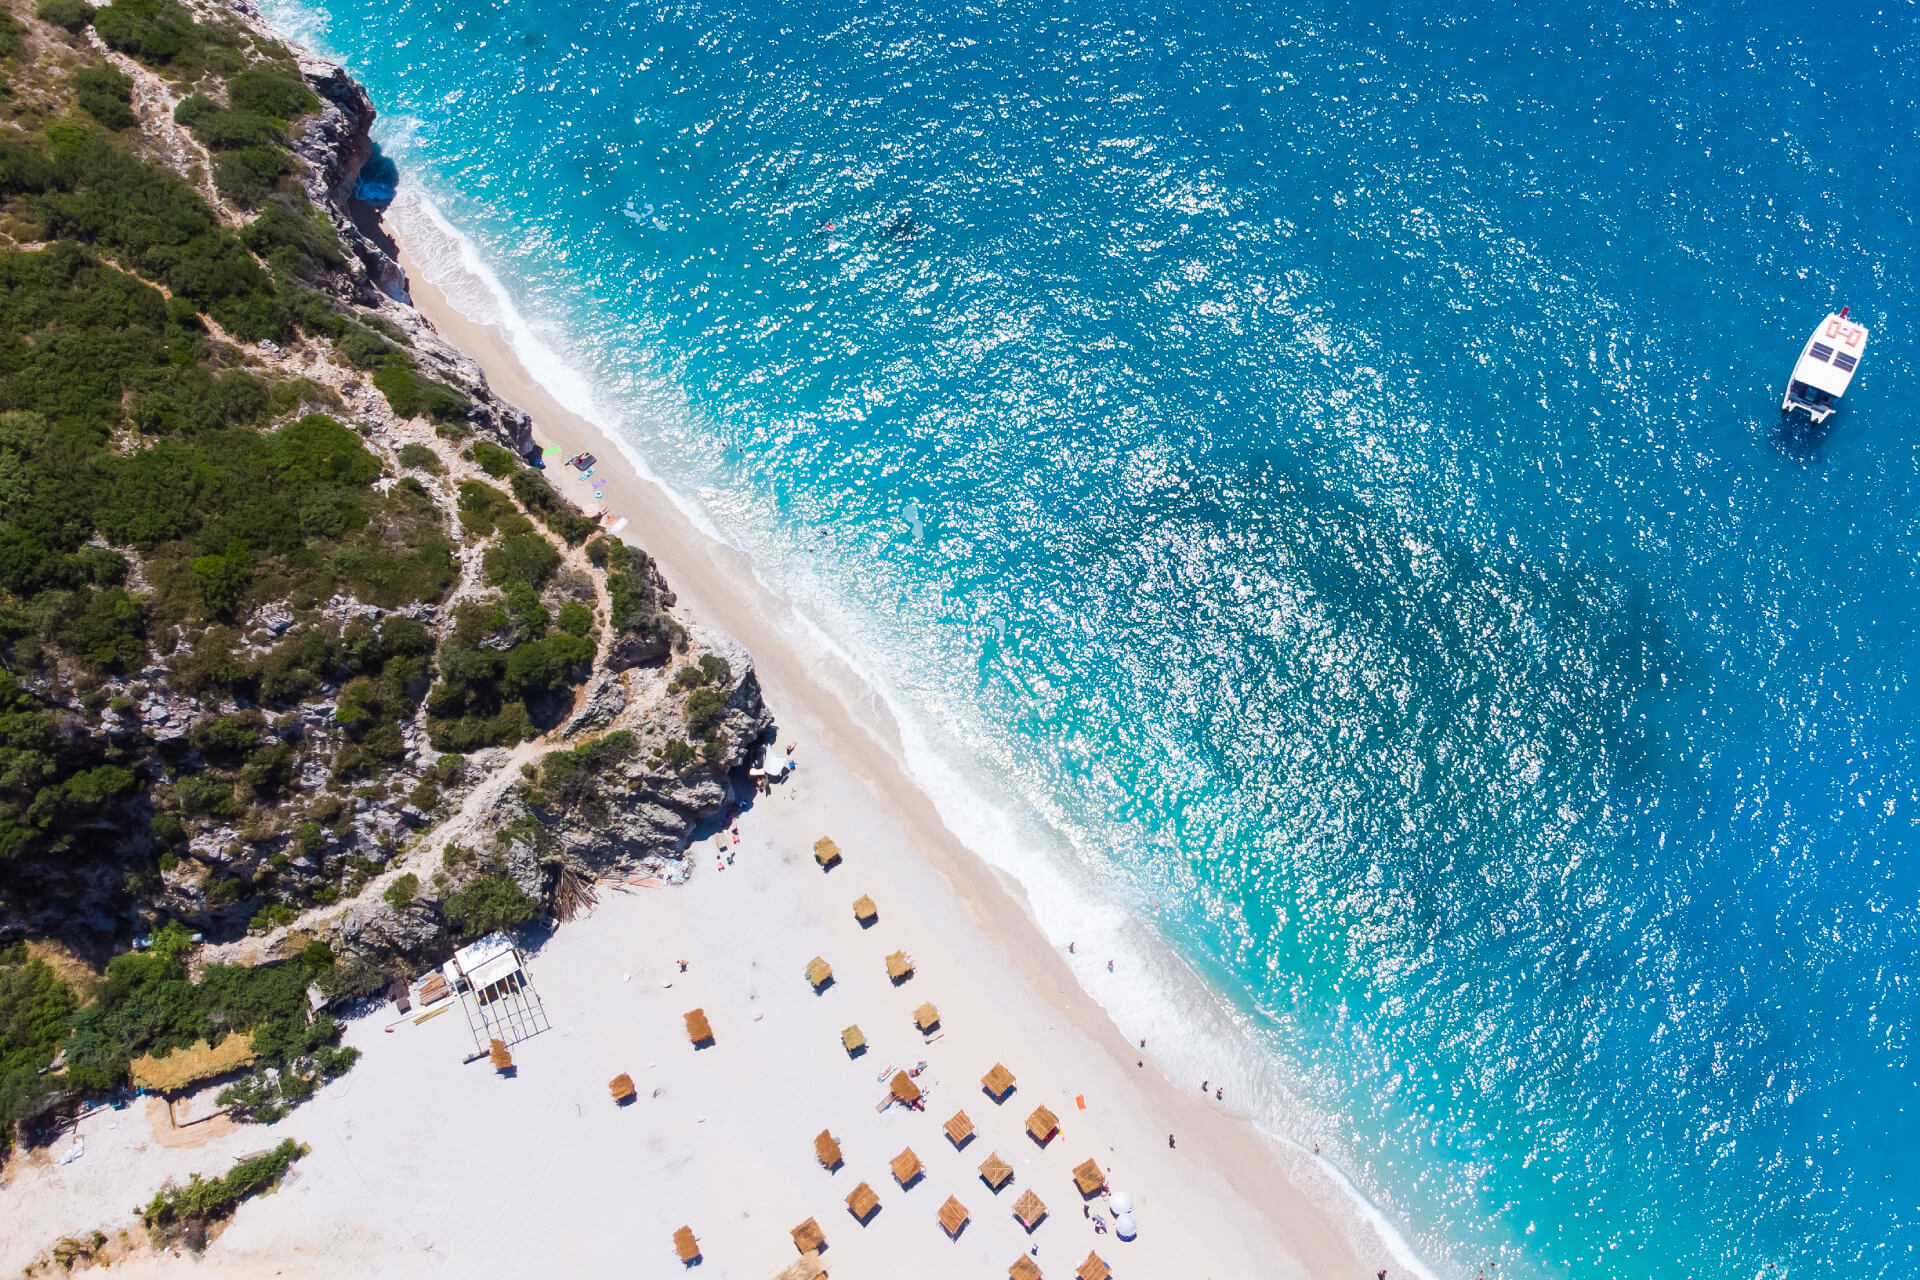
(1826,367)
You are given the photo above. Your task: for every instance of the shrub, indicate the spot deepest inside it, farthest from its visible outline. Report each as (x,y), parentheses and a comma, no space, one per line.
(484,509)
(106,95)
(489,902)
(494,460)
(677,753)
(271,91)
(412,396)
(524,558)
(400,894)
(154,31)
(554,511)
(210,1199)
(418,457)
(575,619)
(704,709)
(34,1009)
(74,15)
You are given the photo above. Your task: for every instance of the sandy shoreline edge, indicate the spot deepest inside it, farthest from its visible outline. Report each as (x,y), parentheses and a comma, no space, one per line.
(717,585)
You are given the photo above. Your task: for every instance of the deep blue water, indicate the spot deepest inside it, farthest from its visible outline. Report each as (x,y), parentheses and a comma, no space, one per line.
(1329,467)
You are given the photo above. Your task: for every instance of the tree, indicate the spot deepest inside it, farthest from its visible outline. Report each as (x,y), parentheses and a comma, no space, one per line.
(489,902)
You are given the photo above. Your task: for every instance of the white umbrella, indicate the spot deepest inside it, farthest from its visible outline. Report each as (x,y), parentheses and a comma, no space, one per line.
(1120,1202)
(1124,1226)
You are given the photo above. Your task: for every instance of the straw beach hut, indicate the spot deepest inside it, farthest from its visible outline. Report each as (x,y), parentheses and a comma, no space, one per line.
(1024,1268)
(854,1040)
(959,1130)
(686,1246)
(1094,1268)
(807,1237)
(862,1203)
(953,1218)
(1030,1209)
(998,1083)
(621,1087)
(899,967)
(926,1017)
(907,1168)
(905,1089)
(195,1064)
(819,973)
(698,1032)
(1089,1179)
(995,1172)
(826,853)
(864,911)
(1042,1125)
(827,1151)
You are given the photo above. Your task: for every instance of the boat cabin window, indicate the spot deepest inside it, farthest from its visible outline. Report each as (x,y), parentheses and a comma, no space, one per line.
(1821,351)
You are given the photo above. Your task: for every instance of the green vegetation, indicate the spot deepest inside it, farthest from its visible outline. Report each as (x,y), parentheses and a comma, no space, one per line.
(401,893)
(148,1004)
(34,1009)
(704,683)
(568,778)
(48,787)
(634,606)
(494,460)
(412,396)
(555,512)
(417,457)
(209,1199)
(106,95)
(74,15)
(498,666)
(489,901)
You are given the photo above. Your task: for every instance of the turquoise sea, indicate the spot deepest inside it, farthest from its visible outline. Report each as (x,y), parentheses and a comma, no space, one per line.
(1311,479)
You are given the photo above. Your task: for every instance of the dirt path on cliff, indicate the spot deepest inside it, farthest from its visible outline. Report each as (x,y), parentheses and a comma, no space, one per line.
(463,826)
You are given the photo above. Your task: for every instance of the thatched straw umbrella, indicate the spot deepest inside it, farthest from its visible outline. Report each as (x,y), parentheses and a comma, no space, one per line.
(1042,1125)
(1029,1208)
(827,1150)
(998,1083)
(686,1246)
(953,1217)
(621,1087)
(864,911)
(959,1130)
(1094,1268)
(807,1237)
(899,967)
(698,1031)
(995,1172)
(862,1203)
(1089,1179)
(819,972)
(853,1039)
(906,1168)
(1024,1268)
(905,1089)
(826,853)
(926,1017)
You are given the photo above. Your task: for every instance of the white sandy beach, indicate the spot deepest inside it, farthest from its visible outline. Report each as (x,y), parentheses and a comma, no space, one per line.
(422,1165)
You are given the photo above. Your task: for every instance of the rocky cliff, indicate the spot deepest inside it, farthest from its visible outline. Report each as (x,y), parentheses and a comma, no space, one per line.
(412,674)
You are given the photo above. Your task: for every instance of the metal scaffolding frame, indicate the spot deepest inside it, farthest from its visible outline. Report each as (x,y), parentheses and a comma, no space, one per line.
(502,1005)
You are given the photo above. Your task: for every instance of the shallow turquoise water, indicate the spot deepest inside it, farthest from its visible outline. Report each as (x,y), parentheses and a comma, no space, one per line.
(1328,470)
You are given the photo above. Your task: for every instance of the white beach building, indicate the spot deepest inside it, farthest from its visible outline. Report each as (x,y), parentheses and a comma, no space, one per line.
(490,977)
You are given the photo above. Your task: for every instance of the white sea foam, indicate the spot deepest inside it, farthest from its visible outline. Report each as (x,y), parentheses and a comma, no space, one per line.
(1192,1030)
